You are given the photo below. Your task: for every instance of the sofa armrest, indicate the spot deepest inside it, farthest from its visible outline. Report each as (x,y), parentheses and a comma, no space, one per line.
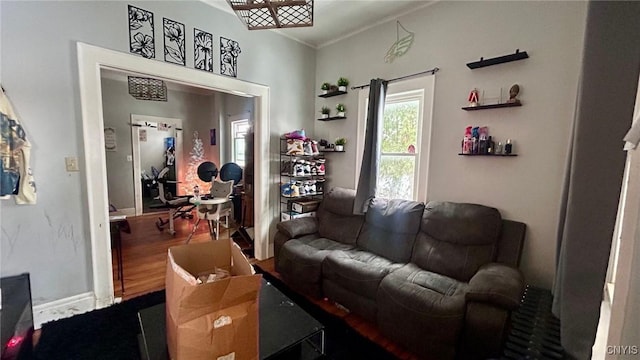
(298,227)
(497,284)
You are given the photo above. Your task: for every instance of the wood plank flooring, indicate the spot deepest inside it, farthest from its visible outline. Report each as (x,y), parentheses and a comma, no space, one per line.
(144,252)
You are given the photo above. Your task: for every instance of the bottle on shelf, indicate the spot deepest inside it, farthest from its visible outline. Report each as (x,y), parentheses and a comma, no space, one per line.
(508,147)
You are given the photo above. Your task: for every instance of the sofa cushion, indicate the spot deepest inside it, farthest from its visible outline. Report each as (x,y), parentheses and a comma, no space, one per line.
(358,271)
(390,228)
(422,310)
(301,260)
(336,220)
(455,239)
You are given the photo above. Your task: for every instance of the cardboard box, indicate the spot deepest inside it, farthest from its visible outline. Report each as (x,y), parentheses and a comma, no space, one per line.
(293,215)
(305,206)
(215,320)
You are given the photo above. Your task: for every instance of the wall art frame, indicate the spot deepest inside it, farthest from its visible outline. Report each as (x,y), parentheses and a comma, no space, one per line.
(141,32)
(229,52)
(202,50)
(174,42)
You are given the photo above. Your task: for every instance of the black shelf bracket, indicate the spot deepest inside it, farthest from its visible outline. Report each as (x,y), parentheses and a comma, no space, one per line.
(498,60)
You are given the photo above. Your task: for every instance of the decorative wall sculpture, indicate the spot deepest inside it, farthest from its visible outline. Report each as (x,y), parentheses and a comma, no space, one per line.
(141,34)
(202,50)
(229,51)
(174,48)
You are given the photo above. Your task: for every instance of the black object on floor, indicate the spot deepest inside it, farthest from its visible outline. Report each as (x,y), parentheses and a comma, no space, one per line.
(535,331)
(112,333)
(342,342)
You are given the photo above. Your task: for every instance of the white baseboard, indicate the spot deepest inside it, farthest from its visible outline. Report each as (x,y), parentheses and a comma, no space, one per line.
(63,308)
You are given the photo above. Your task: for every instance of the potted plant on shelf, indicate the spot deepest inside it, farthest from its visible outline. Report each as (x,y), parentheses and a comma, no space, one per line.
(325,87)
(325,112)
(342,84)
(340,144)
(340,108)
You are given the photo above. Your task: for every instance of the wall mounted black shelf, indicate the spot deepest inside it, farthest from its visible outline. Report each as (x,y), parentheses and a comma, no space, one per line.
(491,106)
(332,93)
(503,155)
(332,151)
(498,60)
(333,118)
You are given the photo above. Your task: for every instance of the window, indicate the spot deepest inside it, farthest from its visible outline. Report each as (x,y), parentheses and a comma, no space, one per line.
(400,147)
(239,130)
(405,134)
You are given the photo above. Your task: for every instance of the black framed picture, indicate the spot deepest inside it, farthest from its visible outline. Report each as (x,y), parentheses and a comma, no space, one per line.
(141,33)
(174,48)
(229,51)
(202,50)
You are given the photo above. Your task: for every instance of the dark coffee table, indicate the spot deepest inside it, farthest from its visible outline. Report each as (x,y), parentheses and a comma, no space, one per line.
(286,331)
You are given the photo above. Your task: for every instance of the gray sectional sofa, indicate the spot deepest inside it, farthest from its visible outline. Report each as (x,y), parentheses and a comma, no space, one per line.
(439,279)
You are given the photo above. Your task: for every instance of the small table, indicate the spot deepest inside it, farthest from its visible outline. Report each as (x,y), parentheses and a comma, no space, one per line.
(116,219)
(285,330)
(208,203)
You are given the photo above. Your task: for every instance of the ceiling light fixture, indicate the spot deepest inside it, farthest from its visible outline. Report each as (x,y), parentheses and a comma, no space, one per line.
(273,14)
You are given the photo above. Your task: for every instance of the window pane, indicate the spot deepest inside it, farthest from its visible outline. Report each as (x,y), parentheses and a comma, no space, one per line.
(400,127)
(395,179)
(239,150)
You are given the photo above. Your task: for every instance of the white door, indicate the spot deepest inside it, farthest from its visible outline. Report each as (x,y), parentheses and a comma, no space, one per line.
(143,130)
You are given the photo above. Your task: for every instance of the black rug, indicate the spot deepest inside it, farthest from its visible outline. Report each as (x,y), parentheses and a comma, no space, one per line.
(111,333)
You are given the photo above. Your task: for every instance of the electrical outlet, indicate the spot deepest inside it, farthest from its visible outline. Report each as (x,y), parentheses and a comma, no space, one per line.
(72,163)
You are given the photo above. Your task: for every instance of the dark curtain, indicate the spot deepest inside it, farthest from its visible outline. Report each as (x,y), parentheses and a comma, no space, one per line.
(604,110)
(367,183)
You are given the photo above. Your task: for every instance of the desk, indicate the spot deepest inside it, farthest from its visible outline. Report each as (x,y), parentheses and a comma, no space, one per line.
(208,204)
(116,219)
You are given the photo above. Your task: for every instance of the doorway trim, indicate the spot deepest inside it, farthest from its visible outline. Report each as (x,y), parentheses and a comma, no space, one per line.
(138,122)
(91,59)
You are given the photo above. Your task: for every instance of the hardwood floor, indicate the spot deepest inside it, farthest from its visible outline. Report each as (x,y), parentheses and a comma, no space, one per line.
(362,326)
(144,252)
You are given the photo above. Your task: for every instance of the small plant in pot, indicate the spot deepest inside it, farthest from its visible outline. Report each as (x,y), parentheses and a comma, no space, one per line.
(342,84)
(340,144)
(325,87)
(325,112)
(341,109)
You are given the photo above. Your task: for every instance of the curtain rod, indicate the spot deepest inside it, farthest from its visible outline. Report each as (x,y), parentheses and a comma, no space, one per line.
(432,71)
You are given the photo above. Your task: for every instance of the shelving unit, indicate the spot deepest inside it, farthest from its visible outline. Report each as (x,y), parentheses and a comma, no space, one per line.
(332,93)
(332,118)
(498,60)
(491,106)
(289,175)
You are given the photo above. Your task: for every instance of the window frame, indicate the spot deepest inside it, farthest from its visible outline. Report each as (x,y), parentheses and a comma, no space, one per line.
(234,124)
(424,85)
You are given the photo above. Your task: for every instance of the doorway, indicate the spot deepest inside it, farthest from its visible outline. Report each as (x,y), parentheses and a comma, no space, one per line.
(90,60)
(156,143)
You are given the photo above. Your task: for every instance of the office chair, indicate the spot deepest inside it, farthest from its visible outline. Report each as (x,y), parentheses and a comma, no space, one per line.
(178,207)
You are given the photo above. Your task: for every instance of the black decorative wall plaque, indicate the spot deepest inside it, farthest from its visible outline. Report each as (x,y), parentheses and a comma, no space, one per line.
(141,35)
(229,51)
(174,49)
(202,50)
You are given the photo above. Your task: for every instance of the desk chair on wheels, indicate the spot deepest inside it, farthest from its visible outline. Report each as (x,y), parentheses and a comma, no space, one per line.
(178,207)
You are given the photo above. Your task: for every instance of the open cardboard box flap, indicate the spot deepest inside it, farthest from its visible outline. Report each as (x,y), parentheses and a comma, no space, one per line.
(193,309)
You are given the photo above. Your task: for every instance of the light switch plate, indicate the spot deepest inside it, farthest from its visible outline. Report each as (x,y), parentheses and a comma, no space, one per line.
(71,163)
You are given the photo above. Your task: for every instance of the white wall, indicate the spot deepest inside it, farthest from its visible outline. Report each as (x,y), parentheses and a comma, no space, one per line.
(448,35)
(39,66)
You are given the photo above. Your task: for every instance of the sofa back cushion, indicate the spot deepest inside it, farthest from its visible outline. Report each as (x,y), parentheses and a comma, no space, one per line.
(336,220)
(455,239)
(390,228)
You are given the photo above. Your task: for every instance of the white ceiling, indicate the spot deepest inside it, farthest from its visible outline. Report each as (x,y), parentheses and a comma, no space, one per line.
(334,20)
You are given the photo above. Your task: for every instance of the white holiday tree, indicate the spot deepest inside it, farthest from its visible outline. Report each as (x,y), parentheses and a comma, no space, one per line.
(196,157)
